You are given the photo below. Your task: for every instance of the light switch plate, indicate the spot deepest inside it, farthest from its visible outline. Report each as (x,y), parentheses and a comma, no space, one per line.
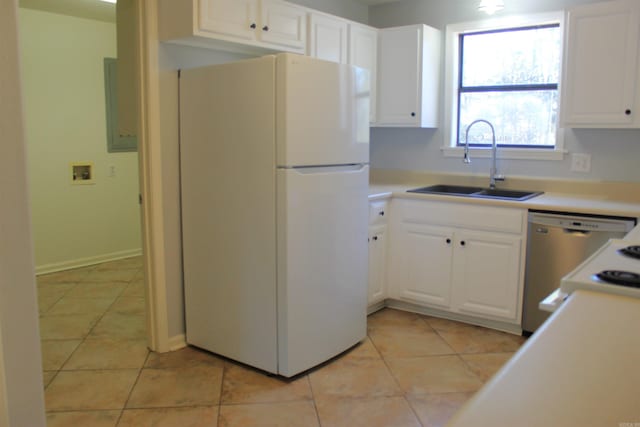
(581,162)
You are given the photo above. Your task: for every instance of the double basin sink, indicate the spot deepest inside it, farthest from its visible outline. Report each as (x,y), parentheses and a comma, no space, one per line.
(478,192)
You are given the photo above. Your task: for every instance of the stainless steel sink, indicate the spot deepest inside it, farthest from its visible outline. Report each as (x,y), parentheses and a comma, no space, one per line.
(447,189)
(486,193)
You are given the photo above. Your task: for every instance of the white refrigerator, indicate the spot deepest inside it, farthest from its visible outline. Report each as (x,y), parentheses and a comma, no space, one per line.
(274,156)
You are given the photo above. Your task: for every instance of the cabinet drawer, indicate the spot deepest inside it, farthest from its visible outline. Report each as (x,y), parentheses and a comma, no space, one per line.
(378,212)
(463,215)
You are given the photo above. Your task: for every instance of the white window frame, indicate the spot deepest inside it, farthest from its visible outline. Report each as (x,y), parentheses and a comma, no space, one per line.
(452,60)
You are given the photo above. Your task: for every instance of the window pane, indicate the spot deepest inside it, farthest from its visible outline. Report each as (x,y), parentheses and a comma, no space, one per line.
(530,56)
(519,118)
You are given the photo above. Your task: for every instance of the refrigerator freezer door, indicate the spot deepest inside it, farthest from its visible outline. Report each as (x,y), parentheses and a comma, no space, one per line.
(229,210)
(322,263)
(322,112)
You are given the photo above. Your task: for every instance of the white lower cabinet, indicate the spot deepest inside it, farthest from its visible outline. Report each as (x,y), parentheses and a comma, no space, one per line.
(486,273)
(377,263)
(419,278)
(378,232)
(454,257)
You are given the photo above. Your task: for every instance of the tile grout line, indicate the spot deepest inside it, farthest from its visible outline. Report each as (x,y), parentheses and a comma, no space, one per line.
(84,339)
(224,373)
(313,399)
(126,402)
(456,353)
(395,380)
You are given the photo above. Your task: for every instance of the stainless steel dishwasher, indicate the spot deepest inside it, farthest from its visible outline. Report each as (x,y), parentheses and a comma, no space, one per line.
(557,243)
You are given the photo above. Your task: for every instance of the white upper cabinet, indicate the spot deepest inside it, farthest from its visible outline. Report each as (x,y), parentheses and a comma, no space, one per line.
(327,38)
(338,40)
(237,18)
(363,53)
(239,25)
(601,84)
(283,24)
(409,76)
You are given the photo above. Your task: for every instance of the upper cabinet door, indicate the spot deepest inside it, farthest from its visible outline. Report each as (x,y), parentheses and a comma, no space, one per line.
(409,76)
(400,64)
(327,38)
(363,53)
(284,24)
(237,18)
(600,78)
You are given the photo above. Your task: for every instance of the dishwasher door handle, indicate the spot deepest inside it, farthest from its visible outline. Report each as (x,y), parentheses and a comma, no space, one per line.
(542,230)
(576,232)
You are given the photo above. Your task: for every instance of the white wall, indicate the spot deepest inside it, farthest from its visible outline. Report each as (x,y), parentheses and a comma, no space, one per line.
(345,8)
(64,95)
(614,152)
(22,399)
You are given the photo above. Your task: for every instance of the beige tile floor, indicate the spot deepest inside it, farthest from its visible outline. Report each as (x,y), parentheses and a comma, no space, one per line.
(411,370)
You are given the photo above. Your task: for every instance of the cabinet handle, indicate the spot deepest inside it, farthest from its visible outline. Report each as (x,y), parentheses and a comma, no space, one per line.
(375,237)
(413,114)
(253,26)
(462,243)
(628,112)
(448,241)
(381,213)
(265,28)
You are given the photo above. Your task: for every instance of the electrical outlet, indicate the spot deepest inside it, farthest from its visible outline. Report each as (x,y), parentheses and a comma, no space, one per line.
(581,162)
(112,171)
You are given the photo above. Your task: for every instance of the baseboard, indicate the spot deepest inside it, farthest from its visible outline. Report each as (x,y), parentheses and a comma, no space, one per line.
(84,262)
(491,324)
(376,307)
(177,342)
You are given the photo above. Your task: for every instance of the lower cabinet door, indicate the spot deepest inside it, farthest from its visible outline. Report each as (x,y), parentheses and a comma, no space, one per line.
(377,263)
(423,268)
(486,274)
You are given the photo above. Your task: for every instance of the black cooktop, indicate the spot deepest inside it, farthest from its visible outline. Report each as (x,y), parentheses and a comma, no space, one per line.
(631,251)
(622,278)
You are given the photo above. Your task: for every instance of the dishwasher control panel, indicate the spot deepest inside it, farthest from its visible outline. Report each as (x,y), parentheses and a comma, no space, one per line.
(579,223)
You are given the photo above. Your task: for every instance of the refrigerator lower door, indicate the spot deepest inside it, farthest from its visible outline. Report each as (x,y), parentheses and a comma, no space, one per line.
(322,263)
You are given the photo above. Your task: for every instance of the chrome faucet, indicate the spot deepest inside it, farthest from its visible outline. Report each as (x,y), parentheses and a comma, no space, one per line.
(493,172)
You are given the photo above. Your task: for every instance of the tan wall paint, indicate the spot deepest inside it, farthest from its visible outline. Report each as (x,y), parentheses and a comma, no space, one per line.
(63,77)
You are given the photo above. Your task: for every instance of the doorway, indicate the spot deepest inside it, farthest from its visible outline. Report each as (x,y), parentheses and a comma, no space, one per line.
(84,199)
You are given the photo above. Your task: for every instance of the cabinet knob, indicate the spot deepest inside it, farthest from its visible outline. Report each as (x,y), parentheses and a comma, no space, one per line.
(253,26)
(375,237)
(448,241)
(265,28)
(381,213)
(462,243)
(413,114)
(628,112)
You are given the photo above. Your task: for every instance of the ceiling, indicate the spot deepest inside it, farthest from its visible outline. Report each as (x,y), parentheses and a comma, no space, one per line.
(374,2)
(101,11)
(88,9)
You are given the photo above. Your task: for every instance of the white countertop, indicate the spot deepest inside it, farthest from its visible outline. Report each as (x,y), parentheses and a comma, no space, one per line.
(547,201)
(579,369)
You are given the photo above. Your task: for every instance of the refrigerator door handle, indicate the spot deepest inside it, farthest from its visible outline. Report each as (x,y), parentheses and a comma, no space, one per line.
(307,170)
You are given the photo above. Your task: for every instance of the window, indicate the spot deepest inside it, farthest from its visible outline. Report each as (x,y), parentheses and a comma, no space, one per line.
(116,143)
(505,72)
